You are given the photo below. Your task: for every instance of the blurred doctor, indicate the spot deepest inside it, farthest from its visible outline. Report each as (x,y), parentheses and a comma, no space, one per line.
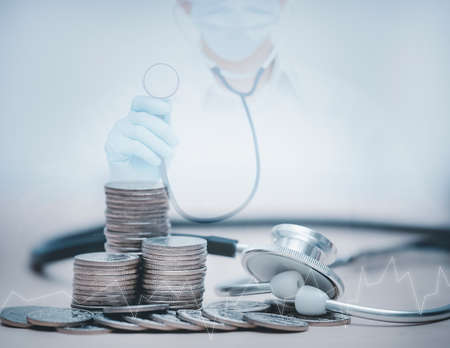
(324,147)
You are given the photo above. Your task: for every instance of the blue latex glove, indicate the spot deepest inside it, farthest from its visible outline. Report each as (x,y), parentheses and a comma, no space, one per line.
(137,143)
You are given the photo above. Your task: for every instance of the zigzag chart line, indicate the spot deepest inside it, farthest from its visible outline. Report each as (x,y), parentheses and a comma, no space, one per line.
(420,306)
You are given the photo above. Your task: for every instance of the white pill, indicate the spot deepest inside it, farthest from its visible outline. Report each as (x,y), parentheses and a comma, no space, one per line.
(286,284)
(311,301)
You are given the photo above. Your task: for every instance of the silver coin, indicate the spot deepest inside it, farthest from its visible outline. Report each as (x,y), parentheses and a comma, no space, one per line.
(104,294)
(101,259)
(137,203)
(133,186)
(168,289)
(174,258)
(276,321)
(120,249)
(17,316)
(58,317)
(123,196)
(179,254)
(162,267)
(105,291)
(107,300)
(189,272)
(104,303)
(99,318)
(171,278)
(95,301)
(127,215)
(87,329)
(160,228)
(106,283)
(134,222)
(134,196)
(100,289)
(225,316)
(329,319)
(173,300)
(200,261)
(195,306)
(105,272)
(171,319)
(123,242)
(149,323)
(239,306)
(133,212)
(135,199)
(195,317)
(88,308)
(134,251)
(104,299)
(105,278)
(150,200)
(280,307)
(175,293)
(125,245)
(136,309)
(128,237)
(173,283)
(189,302)
(176,242)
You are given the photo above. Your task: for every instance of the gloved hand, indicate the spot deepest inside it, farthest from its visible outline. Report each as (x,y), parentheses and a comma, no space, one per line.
(137,143)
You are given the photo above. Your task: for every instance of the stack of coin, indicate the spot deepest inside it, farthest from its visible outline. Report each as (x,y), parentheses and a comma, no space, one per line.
(104,279)
(134,211)
(173,272)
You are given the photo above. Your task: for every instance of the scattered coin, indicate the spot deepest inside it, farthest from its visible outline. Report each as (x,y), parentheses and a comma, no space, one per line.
(226,316)
(87,329)
(276,321)
(17,316)
(58,317)
(239,306)
(149,323)
(136,309)
(172,320)
(195,317)
(329,319)
(115,323)
(278,306)
(86,307)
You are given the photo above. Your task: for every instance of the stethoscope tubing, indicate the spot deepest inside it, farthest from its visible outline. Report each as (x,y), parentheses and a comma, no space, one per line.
(388,315)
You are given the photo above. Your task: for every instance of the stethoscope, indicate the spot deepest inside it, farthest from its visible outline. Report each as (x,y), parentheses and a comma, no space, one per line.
(293,247)
(310,253)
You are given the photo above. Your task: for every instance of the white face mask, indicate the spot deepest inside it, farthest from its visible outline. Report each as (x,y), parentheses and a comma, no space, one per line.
(234,29)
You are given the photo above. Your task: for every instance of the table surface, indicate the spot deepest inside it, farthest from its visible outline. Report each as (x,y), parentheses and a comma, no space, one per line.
(411,279)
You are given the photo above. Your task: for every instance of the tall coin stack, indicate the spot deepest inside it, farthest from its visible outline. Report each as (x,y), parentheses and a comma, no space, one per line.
(173,271)
(103,279)
(134,211)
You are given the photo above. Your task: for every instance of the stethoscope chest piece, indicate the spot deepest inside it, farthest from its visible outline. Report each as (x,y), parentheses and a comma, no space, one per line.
(300,249)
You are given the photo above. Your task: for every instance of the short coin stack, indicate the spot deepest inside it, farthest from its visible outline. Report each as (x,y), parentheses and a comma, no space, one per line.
(174,269)
(104,279)
(134,211)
